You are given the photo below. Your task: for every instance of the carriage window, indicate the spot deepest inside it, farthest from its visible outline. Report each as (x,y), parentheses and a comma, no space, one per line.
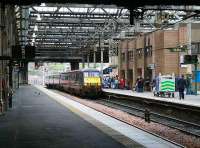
(86,74)
(62,77)
(94,74)
(91,74)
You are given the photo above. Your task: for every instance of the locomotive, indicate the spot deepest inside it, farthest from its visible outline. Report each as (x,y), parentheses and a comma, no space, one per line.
(85,82)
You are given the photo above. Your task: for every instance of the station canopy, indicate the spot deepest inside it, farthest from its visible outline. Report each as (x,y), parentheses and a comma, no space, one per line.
(71,31)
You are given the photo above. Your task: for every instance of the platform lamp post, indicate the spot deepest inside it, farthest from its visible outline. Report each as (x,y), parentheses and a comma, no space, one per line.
(195,61)
(94,56)
(192,59)
(88,60)
(101,49)
(195,73)
(43,75)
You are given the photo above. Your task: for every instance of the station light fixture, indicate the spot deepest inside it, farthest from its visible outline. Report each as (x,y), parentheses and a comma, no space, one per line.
(38,17)
(35,28)
(43,5)
(34,35)
(33,40)
(181,48)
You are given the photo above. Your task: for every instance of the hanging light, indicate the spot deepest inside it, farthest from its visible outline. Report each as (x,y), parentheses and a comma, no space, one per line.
(35,28)
(43,4)
(34,35)
(33,40)
(38,17)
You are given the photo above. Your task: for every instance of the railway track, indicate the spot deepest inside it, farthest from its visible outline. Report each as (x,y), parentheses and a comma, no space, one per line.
(184,126)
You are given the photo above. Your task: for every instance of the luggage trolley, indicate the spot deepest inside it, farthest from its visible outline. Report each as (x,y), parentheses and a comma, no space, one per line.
(165,86)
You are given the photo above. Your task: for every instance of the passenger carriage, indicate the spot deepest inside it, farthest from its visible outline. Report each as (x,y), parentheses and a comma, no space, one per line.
(86,82)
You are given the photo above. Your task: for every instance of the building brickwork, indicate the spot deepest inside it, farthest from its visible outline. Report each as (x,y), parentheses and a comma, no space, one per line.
(151,49)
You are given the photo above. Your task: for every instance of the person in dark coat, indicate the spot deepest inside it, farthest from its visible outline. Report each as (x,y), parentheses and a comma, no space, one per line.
(136,85)
(181,87)
(140,85)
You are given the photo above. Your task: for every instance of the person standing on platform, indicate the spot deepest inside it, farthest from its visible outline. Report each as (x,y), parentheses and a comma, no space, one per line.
(140,85)
(10,94)
(112,83)
(116,82)
(188,86)
(153,84)
(181,87)
(136,85)
(109,81)
(122,83)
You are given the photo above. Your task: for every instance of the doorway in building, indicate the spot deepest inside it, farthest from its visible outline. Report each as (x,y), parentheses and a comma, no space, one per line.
(130,79)
(148,74)
(148,79)
(122,74)
(139,72)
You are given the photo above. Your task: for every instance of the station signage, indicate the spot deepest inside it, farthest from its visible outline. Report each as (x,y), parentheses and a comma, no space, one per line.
(190,59)
(177,49)
(151,66)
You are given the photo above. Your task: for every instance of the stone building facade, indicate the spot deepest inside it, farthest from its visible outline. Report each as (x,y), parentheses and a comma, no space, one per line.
(147,55)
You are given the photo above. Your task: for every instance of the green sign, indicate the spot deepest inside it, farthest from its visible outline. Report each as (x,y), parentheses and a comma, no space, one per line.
(167,85)
(177,49)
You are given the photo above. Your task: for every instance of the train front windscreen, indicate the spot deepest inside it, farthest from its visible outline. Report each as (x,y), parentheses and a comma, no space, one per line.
(92,78)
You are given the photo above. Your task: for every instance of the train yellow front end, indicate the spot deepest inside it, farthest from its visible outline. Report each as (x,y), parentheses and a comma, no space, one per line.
(91,83)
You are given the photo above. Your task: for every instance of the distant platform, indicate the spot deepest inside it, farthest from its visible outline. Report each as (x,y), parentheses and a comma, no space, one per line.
(190,100)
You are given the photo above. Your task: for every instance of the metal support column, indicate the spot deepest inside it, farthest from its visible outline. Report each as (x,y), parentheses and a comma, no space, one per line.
(126,66)
(195,73)
(83,63)
(18,73)
(88,61)
(23,74)
(94,58)
(74,65)
(10,83)
(25,81)
(101,48)
(2,15)
(43,75)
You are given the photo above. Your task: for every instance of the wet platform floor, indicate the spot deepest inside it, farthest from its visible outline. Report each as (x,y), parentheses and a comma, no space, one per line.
(36,121)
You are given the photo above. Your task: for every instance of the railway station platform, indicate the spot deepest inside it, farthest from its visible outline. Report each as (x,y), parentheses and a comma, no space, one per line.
(41,118)
(190,100)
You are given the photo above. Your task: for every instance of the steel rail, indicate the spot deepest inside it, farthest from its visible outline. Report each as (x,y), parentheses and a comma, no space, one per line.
(158,118)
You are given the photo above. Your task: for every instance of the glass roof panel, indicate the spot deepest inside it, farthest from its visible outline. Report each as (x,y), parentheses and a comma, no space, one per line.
(63,9)
(111,10)
(98,10)
(49,9)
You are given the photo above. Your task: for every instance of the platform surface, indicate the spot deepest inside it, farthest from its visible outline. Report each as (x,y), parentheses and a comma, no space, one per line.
(36,121)
(191,100)
(135,134)
(42,118)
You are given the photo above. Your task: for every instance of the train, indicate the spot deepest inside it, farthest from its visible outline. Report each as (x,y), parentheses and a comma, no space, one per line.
(84,83)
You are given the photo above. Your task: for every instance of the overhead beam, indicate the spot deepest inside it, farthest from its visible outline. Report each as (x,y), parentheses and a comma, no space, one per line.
(124,3)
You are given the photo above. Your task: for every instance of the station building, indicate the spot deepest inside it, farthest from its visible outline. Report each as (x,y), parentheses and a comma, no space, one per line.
(147,54)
